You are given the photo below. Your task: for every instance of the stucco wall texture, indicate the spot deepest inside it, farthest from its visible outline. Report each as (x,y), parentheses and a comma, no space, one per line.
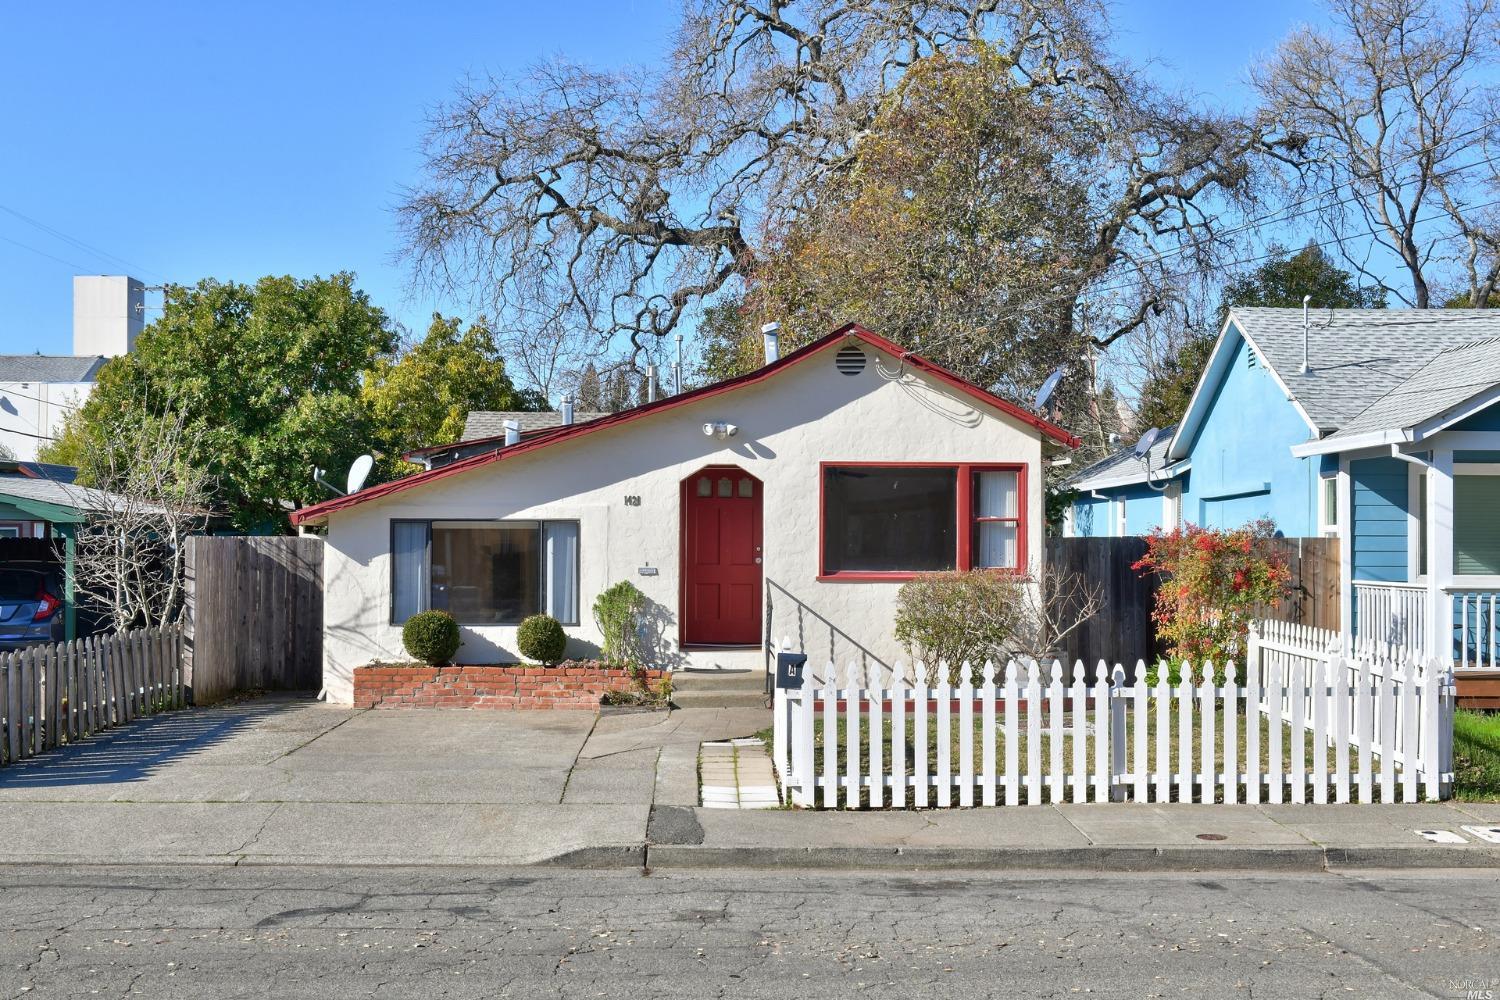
(806,414)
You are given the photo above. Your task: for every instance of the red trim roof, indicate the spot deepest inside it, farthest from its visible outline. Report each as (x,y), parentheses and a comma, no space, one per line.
(553,435)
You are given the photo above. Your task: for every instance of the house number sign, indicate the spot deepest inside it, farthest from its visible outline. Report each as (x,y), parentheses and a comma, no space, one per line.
(632,500)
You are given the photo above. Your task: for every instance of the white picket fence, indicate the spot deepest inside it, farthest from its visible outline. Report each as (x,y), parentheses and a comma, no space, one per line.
(1394,676)
(1315,731)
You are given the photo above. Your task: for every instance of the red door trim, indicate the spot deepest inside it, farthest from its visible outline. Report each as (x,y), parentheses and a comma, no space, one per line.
(683,639)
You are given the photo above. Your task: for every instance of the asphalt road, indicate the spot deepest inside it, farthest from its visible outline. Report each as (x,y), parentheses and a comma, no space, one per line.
(314,933)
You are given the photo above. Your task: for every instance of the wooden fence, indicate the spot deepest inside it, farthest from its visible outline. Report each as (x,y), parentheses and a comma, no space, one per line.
(1124,623)
(62,693)
(866,741)
(254,615)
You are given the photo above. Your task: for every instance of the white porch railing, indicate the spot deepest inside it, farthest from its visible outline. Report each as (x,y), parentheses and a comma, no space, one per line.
(1394,613)
(1475,629)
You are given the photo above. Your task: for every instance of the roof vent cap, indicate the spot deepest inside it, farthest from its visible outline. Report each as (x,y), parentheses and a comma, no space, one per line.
(850,360)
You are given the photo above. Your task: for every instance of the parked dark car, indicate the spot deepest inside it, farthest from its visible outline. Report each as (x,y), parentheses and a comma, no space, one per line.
(31,605)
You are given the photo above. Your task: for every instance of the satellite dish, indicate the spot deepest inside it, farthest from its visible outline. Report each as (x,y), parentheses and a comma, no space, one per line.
(1143,446)
(1048,388)
(359,472)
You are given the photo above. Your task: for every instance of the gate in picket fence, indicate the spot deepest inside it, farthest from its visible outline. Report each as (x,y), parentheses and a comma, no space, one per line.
(1336,728)
(62,693)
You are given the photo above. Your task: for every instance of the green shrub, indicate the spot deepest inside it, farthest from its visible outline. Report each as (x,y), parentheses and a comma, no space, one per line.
(952,617)
(620,613)
(541,638)
(431,636)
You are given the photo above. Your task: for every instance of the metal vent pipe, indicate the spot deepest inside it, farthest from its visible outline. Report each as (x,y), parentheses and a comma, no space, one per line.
(771,332)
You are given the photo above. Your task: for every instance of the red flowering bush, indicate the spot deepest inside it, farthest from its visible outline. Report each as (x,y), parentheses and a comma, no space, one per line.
(1214,584)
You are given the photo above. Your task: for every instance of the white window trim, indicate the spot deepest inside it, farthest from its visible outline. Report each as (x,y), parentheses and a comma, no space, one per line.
(1171,507)
(1414,523)
(1473,581)
(1451,581)
(1119,505)
(1325,526)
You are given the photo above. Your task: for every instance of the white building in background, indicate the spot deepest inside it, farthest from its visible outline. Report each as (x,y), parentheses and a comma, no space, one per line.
(38,391)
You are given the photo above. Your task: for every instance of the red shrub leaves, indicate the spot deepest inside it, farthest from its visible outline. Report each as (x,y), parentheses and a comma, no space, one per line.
(1216,582)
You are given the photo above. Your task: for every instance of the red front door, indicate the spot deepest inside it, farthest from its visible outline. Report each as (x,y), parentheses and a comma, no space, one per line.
(721,556)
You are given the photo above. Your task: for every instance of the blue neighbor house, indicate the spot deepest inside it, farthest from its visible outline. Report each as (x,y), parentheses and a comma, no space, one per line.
(1379,427)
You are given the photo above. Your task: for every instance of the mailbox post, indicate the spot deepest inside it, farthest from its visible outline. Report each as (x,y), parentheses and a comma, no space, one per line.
(793,726)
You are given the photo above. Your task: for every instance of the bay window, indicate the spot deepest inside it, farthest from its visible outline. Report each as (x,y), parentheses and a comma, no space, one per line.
(485,572)
(894,521)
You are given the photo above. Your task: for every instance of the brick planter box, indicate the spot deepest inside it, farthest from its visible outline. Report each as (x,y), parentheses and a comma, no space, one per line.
(569,685)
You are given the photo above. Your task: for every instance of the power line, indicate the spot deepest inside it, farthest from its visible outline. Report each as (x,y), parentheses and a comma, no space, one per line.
(38,399)
(80,244)
(26,246)
(39,437)
(1278,216)
(1064,295)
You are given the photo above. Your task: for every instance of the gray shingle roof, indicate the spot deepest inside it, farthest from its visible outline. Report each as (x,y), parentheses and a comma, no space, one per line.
(49,367)
(79,498)
(1122,468)
(1455,375)
(491,423)
(1358,355)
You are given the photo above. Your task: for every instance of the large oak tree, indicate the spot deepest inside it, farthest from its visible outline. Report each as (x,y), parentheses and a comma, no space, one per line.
(621,202)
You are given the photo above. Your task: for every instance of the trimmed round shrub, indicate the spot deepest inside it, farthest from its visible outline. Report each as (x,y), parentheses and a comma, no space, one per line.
(431,636)
(541,638)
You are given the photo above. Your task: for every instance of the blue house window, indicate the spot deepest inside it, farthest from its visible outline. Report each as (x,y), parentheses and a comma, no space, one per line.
(1476,528)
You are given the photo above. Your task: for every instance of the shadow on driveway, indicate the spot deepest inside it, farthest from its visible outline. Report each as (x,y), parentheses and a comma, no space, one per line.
(136,750)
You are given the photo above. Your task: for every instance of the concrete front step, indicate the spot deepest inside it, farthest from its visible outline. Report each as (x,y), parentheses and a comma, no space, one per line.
(719,689)
(719,680)
(699,698)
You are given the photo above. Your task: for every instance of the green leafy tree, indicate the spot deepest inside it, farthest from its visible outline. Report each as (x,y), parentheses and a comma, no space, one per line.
(727,343)
(267,378)
(1280,282)
(1283,280)
(422,395)
(1165,396)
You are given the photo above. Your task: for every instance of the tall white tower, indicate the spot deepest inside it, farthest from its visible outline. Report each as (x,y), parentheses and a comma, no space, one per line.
(109,312)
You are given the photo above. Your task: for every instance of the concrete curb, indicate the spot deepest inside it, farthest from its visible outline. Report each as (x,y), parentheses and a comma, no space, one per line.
(1100,860)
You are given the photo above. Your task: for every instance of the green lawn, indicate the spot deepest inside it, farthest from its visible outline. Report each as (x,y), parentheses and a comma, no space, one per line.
(1046,740)
(1476,756)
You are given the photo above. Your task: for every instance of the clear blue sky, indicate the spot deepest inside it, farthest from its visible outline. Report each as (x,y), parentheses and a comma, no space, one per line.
(233,141)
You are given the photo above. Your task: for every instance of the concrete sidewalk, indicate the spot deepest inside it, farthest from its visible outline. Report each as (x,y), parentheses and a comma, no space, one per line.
(293,781)
(1085,837)
(280,781)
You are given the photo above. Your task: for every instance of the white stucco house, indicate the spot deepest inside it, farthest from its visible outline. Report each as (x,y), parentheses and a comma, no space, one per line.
(792,501)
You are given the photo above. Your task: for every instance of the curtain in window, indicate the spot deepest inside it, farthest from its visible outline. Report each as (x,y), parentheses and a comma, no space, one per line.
(409,541)
(560,550)
(998,497)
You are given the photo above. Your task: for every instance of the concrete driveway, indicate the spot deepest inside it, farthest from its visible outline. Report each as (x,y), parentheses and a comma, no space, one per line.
(293,781)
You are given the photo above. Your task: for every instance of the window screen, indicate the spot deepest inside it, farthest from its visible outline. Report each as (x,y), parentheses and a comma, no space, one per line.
(1476,525)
